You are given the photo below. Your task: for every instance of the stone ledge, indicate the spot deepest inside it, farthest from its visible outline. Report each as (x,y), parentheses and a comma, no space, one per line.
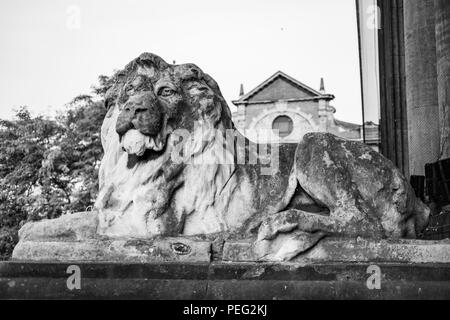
(184,249)
(142,251)
(31,280)
(347,251)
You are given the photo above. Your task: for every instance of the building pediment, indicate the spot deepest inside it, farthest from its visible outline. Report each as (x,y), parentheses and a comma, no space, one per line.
(280,86)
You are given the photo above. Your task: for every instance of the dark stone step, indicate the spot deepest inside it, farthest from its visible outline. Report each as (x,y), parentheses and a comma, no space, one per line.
(25,280)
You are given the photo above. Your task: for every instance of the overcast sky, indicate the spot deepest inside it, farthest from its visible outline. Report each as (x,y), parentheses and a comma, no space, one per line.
(53,50)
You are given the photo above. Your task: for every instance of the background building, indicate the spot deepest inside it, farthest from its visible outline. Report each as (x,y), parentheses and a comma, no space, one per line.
(283,109)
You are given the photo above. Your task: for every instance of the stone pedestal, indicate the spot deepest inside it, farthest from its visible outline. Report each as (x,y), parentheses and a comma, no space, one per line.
(197,268)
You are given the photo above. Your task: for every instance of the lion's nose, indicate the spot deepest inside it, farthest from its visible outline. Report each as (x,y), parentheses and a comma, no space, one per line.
(135,109)
(145,116)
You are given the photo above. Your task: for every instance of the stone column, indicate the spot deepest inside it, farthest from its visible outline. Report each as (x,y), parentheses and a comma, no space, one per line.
(442,10)
(421,84)
(393,112)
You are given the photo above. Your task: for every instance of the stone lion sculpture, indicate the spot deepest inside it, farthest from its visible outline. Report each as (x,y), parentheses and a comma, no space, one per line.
(175,165)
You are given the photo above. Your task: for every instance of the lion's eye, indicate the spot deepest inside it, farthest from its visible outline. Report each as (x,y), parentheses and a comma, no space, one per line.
(166,92)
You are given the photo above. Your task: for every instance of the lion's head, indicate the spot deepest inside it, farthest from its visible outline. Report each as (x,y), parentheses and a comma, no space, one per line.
(149,101)
(154,98)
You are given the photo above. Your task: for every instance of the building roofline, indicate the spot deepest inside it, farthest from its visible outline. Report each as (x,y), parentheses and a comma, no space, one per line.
(348,125)
(245,97)
(323,97)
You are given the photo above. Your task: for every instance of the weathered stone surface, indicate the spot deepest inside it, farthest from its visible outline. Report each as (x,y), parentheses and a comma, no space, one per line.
(346,250)
(365,193)
(73,227)
(175,165)
(142,251)
(287,246)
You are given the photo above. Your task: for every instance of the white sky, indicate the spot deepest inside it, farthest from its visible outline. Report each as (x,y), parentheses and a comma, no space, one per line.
(48,55)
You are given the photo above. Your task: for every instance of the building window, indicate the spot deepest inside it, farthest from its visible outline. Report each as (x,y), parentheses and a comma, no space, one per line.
(284,125)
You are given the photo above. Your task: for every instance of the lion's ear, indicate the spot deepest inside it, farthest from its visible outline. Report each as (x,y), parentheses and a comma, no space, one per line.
(151,64)
(224,112)
(191,71)
(212,83)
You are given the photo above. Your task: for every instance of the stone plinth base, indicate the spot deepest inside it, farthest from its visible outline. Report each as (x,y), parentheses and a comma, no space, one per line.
(194,250)
(347,251)
(32,280)
(190,268)
(140,251)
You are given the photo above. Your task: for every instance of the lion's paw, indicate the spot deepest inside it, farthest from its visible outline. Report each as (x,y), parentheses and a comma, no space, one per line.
(286,247)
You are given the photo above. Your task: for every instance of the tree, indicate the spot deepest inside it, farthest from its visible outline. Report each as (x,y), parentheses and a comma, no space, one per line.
(49,167)
(24,142)
(69,173)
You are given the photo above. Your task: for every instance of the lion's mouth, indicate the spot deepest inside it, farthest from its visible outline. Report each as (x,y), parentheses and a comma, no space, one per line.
(136,143)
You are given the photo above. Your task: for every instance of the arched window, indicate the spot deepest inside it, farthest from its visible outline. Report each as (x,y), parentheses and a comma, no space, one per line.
(284,125)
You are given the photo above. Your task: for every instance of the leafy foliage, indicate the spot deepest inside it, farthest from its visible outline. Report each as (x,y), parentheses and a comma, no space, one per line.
(49,167)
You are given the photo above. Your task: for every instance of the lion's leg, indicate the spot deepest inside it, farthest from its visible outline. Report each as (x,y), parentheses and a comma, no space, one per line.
(349,179)
(293,219)
(284,235)
(348,213)
(359,186)
(364,193)
(345,215)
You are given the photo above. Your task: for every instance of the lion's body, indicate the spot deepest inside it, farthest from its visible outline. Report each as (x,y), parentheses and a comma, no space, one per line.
(233,187)
(170,168)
